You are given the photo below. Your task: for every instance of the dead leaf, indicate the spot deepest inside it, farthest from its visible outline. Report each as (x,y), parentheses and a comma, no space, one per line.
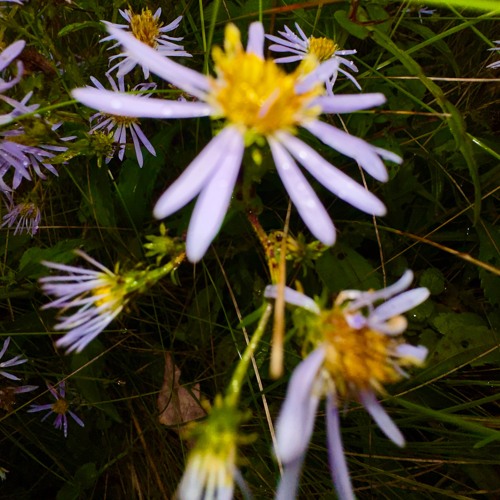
(176,404)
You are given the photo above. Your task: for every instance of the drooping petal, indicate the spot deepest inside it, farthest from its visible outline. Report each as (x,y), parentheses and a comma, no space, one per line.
(214,199)
(348,103)
(338,465)
(187,79)
(289,482)
(293,297)
(415,354)
(299,409)
(351,146)
(117,103)
(333,179)
(382,419)
(309,206)
(192,180)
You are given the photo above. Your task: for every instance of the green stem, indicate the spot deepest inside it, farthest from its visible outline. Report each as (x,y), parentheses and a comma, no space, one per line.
(236,383)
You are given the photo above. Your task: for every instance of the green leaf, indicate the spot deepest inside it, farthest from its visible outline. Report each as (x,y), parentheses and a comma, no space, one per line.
(354,29)
(79,26)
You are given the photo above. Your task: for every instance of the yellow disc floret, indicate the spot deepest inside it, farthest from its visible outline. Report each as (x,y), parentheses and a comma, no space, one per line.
(257,94)
(322,48)
(60,407)
(357,359)
(145,27)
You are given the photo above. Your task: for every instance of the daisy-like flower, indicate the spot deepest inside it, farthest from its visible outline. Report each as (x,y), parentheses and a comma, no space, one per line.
(25,216)
(353,350)
(6,57)
(98,294)
(322,49)
(257,99)
(60,408)
(120,124)
(496,64)
(147,28)
(211,467)
(17,360)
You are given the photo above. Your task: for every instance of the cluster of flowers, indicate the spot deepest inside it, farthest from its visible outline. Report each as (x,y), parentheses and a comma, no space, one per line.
(350,350)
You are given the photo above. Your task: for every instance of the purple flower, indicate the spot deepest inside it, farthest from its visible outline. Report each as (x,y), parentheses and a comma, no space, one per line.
(17,360)
(120,124)
(26,216)
(257,100)
(497,63)
(99,296)
(147,28)
(60,408)
(6,57)
(355,352)
(323,49)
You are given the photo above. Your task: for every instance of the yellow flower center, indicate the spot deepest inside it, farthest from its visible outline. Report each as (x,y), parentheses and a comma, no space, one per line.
(123,120)
(357,359)
(322,48)
(28,210)
(60,407)
(145,27)
(257,94)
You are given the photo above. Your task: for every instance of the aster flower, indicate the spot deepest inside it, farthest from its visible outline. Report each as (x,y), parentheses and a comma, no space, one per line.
(323,49)
(496,64)
(353,351)
(25,216)
(8,395)
(276,106)
(211,467)
(23,152)
(60,408)
(120,124)
(17,360)
(147,28)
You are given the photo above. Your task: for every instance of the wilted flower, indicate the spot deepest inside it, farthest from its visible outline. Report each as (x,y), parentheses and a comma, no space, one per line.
(257,99)
(211,467)
(60,408)
(8,395)
(422,11)
(120,124)
(323,49)
(496,64)
(25,216)
(147,28)
(17,360)
(353,350)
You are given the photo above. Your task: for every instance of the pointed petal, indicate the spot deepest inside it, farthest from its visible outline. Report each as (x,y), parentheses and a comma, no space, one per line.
(187,79)
(192,180)
(309,206)
(351,146)
(348,103)
(117,103)
(214,199)
(333,179)
(338,465)
(293,297)
(401,303)
(384,422)
(299,409)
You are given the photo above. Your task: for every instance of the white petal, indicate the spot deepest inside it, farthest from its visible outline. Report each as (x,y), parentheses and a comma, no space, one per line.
(122,104)
(293,297)
(191,81)
(214,199)
(255,43)
(348,103)
(332,178)
(338,465)
(399,304)
(296,419)
(351,146)
(384,422)
(309,206)
(192,180)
